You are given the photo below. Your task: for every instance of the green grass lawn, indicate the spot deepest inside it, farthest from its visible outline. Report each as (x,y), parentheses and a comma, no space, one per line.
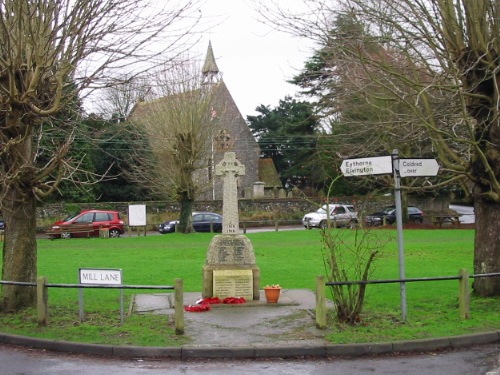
(292,259)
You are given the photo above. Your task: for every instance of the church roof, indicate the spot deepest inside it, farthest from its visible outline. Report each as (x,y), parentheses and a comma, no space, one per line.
(268,173)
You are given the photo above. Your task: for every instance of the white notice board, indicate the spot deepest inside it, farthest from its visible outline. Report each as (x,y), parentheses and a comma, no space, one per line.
(137,215)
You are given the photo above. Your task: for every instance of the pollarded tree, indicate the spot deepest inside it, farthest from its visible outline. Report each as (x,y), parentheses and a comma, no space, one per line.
(451,49)
(45,45)
(180,125)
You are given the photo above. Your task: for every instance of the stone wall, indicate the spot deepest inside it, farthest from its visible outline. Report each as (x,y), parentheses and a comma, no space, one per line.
(249,209)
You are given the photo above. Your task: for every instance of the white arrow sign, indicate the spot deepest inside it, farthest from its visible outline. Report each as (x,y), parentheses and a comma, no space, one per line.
(418,167)
(367,166)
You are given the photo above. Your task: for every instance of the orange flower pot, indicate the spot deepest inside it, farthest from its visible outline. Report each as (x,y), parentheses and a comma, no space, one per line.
(272,294)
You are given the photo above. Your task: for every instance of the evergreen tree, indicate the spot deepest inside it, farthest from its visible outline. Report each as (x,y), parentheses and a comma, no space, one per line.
(287,134)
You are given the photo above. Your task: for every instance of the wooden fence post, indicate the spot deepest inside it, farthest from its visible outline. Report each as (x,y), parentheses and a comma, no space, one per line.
(320,302)
(463,294)
(42,297)
(179,307)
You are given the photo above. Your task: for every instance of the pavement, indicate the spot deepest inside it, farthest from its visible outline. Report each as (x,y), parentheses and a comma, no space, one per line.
(254,329)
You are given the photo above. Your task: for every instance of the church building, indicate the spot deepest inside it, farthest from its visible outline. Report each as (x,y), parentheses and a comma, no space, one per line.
(233,134)
(230,133)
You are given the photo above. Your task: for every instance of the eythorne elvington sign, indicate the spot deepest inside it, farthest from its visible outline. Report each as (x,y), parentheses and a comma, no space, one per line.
(367,166)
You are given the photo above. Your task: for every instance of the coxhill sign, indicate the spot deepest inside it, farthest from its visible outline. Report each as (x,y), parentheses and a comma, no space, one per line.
(100,276)
(367,166)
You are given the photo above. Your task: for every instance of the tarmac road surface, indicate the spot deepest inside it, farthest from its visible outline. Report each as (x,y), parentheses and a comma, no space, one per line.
(479,360)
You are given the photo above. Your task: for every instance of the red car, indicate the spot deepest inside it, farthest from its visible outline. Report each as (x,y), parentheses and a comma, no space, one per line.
(88,223)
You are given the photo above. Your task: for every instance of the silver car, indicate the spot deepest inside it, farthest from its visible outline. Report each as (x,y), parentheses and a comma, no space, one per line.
(339,215)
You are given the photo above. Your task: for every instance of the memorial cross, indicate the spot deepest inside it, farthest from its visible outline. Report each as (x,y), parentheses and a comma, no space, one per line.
(230,168)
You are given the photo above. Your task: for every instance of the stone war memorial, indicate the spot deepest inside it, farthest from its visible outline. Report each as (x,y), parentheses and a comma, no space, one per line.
(230,269)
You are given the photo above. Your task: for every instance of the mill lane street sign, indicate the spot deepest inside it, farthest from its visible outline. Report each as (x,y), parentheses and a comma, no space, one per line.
(418,167)
(367,166)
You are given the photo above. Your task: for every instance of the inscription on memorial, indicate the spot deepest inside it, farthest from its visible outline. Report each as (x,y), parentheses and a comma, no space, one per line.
(233,283)
(230,249)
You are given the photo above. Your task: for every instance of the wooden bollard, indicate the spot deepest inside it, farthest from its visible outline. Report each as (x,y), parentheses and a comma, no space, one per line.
(320,302)
(42,297)
(179,307)
(463,294)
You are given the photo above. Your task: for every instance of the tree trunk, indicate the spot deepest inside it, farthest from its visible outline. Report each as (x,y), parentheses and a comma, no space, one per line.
(185,219)
(19,212)
(487,247)
(19,250)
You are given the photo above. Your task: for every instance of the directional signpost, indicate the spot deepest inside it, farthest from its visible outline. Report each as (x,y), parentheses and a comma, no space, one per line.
(367,166)
(399,168)
(418,167)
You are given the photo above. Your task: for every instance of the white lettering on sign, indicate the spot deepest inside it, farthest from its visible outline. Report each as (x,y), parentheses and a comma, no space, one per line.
(100,276)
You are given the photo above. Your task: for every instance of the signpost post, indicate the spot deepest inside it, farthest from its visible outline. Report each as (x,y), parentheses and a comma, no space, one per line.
(399,227)
(398,168)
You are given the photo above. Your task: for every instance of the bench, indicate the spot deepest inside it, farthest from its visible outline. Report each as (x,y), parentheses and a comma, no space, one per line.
(71,229)
(439,220)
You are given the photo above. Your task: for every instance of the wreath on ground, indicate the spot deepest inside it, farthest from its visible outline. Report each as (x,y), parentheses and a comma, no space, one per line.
(204,304)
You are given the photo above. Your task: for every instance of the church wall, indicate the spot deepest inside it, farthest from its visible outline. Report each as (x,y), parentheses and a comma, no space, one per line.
(242,143)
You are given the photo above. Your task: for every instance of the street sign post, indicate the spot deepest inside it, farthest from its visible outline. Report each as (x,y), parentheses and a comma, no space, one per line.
(367,166)
(418,167)
(399,168)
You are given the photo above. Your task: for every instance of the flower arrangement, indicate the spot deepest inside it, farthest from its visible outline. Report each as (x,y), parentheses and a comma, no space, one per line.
(272,293)
(273,286)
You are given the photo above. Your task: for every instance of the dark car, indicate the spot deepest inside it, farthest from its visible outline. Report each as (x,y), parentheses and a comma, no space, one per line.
(202,222)
(88,223)
(389,214)
(2,224)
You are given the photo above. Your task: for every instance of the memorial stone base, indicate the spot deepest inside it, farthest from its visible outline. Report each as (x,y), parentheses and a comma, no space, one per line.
(230,269)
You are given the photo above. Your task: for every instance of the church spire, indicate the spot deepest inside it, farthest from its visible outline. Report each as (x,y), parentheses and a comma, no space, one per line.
(210,72)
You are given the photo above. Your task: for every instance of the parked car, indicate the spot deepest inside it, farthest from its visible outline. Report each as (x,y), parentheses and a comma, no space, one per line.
(202,222)
(2,224)
(88,223)
(415,214)
(340,215)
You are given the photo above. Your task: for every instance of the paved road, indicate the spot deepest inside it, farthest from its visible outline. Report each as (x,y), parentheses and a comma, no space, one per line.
(479,360)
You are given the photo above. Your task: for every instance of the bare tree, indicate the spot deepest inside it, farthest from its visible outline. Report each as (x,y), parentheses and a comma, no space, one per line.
(180,126)
(51,52)
(451,49)
(118,101)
